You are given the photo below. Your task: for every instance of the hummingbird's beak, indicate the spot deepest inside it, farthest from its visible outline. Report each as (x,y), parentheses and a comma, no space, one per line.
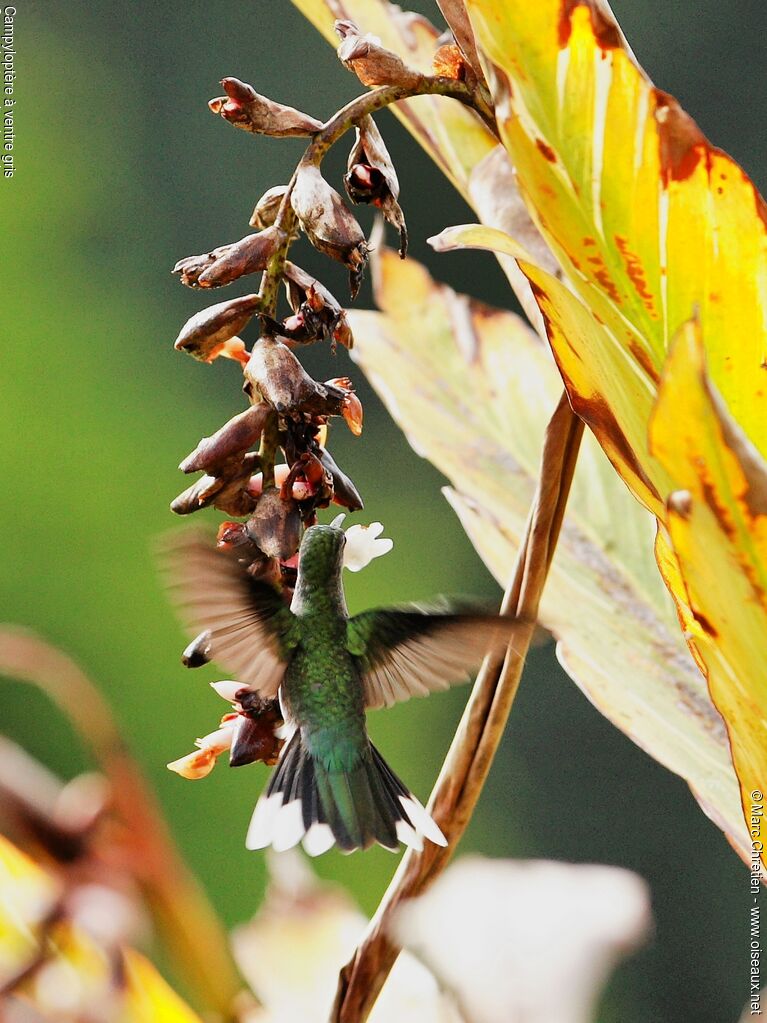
(338,520)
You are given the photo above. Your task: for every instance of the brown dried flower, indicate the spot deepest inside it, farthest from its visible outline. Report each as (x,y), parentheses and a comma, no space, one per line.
(275,525)
(268,206)
(372,63)
(344,491)
(278,377)
(245,108)
(317,315)
(234,438)
(204,335)
(371,177)
(227,491)
(227,263)
(327,222)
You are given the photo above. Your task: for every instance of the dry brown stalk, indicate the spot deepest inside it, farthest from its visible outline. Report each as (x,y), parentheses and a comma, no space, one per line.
(471,753)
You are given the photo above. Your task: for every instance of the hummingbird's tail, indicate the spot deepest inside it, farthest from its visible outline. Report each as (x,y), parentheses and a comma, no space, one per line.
(355,808)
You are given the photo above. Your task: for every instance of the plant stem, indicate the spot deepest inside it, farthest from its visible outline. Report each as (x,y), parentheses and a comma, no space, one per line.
(191,928)
(474,745)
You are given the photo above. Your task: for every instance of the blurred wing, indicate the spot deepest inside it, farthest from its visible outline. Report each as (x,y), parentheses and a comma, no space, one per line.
(251,629)
(411,651)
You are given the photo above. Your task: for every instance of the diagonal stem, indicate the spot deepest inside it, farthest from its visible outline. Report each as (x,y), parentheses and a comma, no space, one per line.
(471,753)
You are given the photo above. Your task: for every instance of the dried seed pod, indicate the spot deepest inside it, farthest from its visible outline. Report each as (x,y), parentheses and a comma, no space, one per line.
(234,438)
(268,206)
(371,177)
(204,335)
(199,495)
(274,373)
(372,63)
(227,491)
(275,525)
(245,108)
(327,222)
(254,734)
(247,256)
(317,313)
(344,491)
(227,263)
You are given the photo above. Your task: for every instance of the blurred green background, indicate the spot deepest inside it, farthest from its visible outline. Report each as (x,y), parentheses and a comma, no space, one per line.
(121,170)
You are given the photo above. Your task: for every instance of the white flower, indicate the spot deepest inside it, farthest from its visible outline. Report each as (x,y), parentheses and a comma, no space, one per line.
(363,544)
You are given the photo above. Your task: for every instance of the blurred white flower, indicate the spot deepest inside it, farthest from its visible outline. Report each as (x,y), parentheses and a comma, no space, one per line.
(363,544)
(303,934)
(526,942)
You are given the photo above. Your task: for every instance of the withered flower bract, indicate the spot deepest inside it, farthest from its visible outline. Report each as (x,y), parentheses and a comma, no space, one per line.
(327,222)
(344,491)
(372,63)
(234,437)
(266,209)
(245,108)
(275,373)
(203,336)
(229,262)
(317,315)
(371,178)
(275,525)
(227,490)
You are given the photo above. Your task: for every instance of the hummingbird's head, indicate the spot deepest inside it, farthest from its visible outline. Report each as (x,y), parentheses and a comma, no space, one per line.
(320,558)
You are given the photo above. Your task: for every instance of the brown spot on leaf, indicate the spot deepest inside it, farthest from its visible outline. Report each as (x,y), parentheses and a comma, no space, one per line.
(704,623)
(635,271)
(595,411)
(605,29)
(682,144)
(546,150)
(644,360)
(603,278)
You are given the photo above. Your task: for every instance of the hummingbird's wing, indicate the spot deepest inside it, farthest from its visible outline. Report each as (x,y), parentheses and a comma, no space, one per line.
(413,651)
(251,630)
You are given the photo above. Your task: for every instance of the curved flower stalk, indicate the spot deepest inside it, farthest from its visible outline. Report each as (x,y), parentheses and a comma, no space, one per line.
(269,469)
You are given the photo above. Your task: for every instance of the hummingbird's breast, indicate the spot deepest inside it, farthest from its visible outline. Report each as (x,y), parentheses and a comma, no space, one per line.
(322,684)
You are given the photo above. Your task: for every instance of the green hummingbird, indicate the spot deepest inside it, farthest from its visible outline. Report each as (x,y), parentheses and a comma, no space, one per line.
(330,785)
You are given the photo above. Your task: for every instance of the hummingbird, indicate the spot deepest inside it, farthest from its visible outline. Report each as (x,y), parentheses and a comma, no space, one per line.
(330,785)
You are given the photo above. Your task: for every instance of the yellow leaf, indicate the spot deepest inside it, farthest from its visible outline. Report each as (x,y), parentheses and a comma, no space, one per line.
(148,998)
(473,389)
(649,220)
(73,971)
(650,224)
(717,532)
(604,386)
